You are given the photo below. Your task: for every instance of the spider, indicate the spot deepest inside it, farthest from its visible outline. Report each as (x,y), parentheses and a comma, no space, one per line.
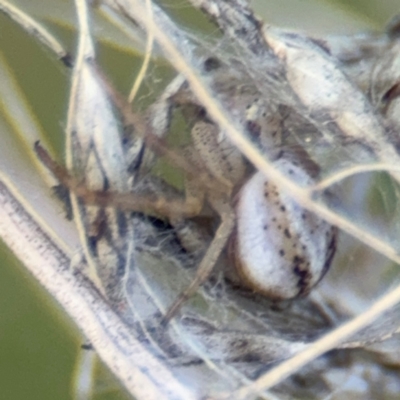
(276,247)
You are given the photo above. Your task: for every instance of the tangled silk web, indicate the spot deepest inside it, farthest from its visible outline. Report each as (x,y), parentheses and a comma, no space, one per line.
(337,99)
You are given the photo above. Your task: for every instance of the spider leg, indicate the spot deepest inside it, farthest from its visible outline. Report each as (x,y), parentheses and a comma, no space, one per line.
(172,207)
(208,262)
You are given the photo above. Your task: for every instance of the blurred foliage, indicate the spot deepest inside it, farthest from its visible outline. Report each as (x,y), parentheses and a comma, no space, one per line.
(38,345)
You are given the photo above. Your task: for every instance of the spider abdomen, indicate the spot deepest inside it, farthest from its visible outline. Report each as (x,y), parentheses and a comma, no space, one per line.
(279,249)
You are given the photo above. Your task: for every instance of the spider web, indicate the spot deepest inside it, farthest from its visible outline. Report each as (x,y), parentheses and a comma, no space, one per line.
(227,335)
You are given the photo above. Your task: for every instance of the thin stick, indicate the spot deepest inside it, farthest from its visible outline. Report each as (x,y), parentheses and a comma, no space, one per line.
(36,30)
(347,172)
(143,376)
(147,57)
(220,116)
(156,144)
(150,204)
(319,347)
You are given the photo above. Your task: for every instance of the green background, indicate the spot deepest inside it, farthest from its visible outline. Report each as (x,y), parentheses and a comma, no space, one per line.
(39,346)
